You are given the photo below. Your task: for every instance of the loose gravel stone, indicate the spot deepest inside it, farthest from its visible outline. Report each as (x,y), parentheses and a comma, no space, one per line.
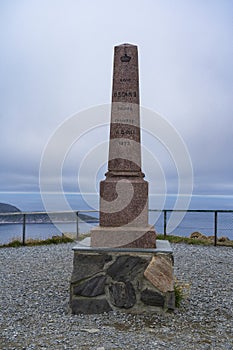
(35,294)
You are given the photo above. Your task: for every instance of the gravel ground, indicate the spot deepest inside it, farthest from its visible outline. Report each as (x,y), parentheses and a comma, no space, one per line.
(34,305)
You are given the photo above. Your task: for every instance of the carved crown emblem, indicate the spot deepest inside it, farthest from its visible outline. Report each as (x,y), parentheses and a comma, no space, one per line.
(125,58)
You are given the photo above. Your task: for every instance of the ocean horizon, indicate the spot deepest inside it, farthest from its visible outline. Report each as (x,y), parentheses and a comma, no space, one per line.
(202,222)
(32,201)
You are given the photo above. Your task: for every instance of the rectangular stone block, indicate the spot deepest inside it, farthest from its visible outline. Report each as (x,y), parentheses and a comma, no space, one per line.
(118,282)
(123,201)
(125,236)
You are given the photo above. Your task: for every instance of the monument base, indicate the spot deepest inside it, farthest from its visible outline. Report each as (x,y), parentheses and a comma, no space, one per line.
(123,237)
(122,279)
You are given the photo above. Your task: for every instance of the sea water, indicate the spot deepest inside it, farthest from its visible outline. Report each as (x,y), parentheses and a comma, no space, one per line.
(187,222)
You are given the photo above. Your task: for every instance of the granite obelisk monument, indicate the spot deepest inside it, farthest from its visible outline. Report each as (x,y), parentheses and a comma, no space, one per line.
(124,192)
(122,267)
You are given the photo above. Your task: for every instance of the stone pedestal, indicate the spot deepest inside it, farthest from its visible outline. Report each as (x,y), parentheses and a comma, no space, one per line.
(123,201)
(126,280)
(123,214)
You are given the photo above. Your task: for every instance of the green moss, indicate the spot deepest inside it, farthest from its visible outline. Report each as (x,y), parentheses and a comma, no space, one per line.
(182,291)
(179,239)
(15,243)
(34,242)
(178,295)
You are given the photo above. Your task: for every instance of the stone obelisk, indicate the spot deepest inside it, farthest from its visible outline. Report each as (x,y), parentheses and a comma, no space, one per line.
(124,192)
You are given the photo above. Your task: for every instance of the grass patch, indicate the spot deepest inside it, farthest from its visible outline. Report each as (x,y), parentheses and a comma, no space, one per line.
(179,239)
(33,242)
(207,242)
(15,244)
(179,296)
(226,244)
(65,238)
(181,290)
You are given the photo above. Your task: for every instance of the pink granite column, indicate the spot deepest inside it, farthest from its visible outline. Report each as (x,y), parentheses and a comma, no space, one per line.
(124,192)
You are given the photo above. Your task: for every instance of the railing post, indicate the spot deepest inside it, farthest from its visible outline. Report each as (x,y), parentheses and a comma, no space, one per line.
(215,227)
(24,229)
(165,223)
(77,225)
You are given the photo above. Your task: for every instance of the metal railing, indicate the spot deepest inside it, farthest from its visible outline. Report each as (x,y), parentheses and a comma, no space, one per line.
(215,218)
(79,217)
(22,219)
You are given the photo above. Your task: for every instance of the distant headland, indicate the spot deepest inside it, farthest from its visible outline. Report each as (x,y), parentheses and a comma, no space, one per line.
(8,208)
(40,218)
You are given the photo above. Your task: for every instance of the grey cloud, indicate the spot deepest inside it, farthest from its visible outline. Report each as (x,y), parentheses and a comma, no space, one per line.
(57,59)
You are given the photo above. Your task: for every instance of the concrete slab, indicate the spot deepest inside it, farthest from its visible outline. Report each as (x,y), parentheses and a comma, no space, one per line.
(162,246)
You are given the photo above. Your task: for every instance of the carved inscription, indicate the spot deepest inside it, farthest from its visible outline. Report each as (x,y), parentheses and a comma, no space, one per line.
(124,131)
(125,94)
(128,121)
(124,143)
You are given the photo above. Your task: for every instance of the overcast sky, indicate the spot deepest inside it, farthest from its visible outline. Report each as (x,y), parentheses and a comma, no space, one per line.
(56,60)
